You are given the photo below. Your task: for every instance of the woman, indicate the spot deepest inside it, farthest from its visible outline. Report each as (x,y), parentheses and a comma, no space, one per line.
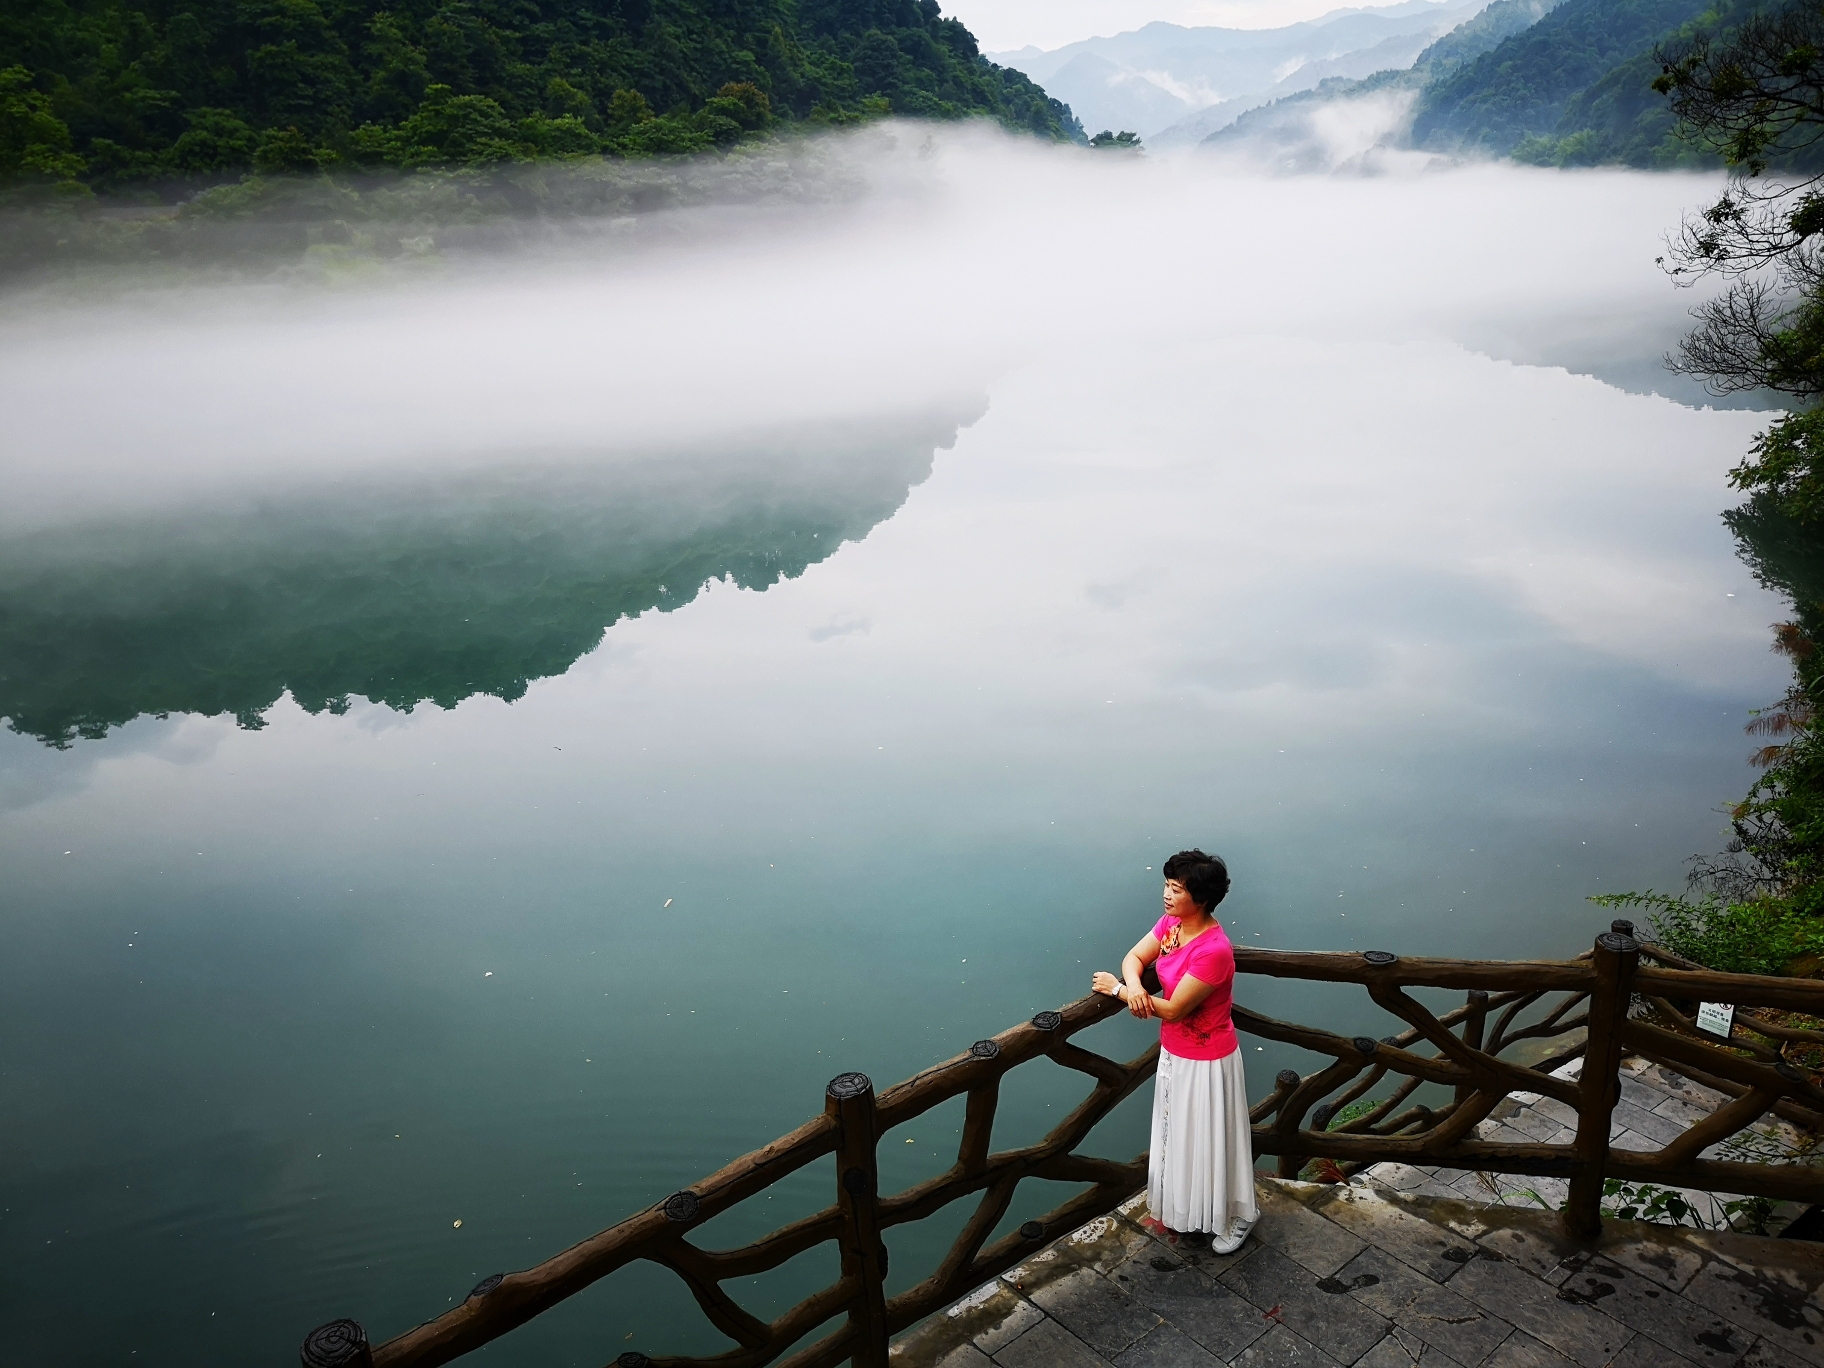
(1200,1180)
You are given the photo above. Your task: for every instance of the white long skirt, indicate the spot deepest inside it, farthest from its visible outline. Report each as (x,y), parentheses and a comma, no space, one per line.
(1201,1174)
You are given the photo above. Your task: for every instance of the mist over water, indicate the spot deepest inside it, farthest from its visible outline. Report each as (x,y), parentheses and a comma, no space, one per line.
(928,262)
(495,729)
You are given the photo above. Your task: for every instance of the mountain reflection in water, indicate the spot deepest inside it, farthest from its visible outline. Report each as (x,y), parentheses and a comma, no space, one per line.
(402,593)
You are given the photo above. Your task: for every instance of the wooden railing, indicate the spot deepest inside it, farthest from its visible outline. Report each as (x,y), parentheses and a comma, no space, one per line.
(1459,1050)
(1597,992)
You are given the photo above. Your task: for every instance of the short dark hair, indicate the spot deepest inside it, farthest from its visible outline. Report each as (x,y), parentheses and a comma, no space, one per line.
(1205,877)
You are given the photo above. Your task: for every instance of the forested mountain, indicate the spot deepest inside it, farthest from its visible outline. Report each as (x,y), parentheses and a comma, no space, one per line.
(1564,84)
(1586,66)
(1282,127)
(105,90)
(1487,31)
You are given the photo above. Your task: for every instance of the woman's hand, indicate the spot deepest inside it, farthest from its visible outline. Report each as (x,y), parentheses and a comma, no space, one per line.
(1105,983)
(1139,1001)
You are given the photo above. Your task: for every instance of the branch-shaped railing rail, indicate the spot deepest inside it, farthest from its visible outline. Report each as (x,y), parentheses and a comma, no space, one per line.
(1458,1050)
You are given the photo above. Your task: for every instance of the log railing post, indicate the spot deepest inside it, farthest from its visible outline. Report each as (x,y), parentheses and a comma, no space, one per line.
(1285,1082)
(1616,957)
(849,1101)
(1473,1026)
(339,1344)
(978,1127)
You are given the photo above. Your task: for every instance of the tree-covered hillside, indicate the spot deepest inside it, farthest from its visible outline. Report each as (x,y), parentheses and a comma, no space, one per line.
(1283,126)
(1483,33)
(1566,84)
(1584,53)
(111,90)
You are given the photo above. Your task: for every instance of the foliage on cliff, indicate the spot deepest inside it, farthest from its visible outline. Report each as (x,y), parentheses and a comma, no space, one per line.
(106,91)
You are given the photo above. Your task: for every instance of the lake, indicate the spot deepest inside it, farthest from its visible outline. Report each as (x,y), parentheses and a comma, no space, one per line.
(490,740)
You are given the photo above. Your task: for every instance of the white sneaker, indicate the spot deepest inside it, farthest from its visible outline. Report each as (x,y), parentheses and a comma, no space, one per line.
(1233,1238)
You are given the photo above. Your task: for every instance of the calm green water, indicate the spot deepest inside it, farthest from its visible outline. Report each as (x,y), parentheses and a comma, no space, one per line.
(511,840)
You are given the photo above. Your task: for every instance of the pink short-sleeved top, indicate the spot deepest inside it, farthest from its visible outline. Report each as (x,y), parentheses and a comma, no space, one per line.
(1206,1033)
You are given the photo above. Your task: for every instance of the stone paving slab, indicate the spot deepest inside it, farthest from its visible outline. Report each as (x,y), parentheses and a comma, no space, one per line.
(1521,1350)
(1215,1318)
(1370,1216)
(1359,1276)
(1293,1296)
(1095,1309)
(1303,1235)
(1280,1348)
(1681,1327)
(1401,1350)
(1432,1314)
(1581,1333)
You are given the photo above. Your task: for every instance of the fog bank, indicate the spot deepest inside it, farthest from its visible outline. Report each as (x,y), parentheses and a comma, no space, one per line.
(942,259)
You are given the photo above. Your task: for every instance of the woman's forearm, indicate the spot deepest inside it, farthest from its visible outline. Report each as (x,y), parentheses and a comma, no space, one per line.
(1186,998)
(1133,964)
(1131,969)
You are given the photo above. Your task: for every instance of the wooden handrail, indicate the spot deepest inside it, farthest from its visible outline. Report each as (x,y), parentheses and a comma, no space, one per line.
(1744,990)
(1332,966)
(1458,1050)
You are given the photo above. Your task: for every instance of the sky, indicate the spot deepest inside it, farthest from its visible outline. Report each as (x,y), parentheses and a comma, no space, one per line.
(1003,25)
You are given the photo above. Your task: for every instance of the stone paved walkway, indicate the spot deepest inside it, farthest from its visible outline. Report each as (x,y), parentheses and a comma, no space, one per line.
(1359,1275)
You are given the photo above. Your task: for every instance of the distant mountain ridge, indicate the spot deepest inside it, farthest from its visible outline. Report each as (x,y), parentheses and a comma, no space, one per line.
(1162,75)
(1282,129)
(1561,84)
